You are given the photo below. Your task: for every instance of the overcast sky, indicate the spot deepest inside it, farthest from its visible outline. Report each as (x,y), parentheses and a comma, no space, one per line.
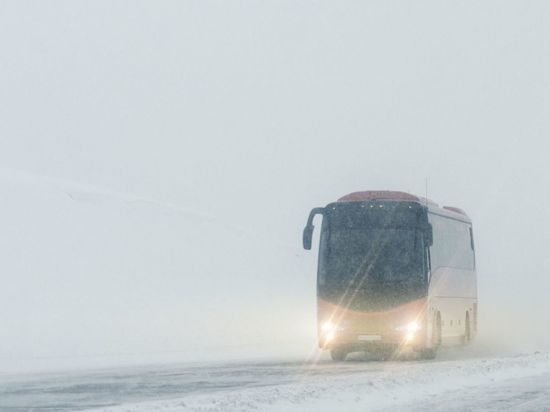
(255,112)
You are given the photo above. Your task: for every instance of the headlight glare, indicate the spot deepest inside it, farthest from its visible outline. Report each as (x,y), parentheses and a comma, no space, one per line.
(411,327)
(328,327)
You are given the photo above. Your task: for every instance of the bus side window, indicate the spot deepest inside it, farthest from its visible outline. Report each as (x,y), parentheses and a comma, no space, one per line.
(452,244)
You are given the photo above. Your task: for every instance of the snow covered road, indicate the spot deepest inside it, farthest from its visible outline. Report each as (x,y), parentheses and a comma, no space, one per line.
(526,393)
(518,383)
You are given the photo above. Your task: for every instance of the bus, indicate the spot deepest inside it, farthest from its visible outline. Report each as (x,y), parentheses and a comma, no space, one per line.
(396,273)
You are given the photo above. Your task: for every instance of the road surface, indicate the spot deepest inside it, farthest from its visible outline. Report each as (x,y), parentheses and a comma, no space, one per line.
(450,383)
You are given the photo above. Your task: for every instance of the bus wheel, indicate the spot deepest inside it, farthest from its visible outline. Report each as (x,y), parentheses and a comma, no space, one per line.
(338,354)
(468,331)
(430,353)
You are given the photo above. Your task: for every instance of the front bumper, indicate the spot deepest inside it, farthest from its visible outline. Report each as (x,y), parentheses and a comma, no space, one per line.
(339,326)
(369,339)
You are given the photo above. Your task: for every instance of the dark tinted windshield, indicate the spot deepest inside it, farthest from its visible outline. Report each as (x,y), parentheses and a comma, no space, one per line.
(362,246)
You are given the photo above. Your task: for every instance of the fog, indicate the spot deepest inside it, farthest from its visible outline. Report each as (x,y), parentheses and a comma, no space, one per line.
(158,161)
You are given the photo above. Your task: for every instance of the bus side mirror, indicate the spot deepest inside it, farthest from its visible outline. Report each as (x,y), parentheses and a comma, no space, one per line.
(308,230)
(308,235)
(429,235)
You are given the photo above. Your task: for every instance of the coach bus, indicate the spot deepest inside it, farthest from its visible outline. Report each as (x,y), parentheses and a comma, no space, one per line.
(396,273)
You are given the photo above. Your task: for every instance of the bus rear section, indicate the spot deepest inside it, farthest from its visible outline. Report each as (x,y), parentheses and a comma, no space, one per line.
(395,272)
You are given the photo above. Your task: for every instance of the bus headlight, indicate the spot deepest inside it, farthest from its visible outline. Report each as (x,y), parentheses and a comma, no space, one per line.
(328,327)
(329,330)
(410,328)
(413,327)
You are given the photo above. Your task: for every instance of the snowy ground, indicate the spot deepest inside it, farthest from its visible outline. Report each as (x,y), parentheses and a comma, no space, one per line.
(450,383)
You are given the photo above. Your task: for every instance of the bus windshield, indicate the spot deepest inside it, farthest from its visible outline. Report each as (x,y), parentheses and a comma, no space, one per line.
(361,257)
(362,247)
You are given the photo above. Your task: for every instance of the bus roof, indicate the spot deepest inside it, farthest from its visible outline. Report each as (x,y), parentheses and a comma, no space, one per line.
(450,211)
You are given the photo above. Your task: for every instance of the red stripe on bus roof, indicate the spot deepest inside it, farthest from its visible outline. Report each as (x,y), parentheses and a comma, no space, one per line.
(378,195)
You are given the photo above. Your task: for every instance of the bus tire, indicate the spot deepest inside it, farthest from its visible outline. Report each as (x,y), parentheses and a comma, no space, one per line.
(431,353)
(338,354)
(428,353)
